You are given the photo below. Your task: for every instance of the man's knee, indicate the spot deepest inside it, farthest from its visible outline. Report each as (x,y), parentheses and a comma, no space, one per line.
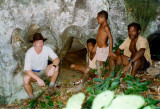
(26,79)
(119,60)
(136,64)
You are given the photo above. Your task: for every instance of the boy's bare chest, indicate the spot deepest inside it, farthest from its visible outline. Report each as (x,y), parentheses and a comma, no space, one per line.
(101,33)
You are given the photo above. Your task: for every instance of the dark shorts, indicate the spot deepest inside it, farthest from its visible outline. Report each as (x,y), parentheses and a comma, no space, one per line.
(145,67)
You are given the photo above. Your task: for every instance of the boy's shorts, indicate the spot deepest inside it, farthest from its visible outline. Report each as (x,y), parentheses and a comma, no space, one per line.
(102,53)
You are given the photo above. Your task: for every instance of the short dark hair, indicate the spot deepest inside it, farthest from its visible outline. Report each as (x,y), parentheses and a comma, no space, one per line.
(103,13)
(135,24)
(91,40)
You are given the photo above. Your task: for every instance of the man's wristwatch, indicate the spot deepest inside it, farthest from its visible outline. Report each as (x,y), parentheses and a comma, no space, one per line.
(54,66)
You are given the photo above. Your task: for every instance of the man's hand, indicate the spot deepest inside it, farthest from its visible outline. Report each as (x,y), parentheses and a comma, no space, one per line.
(51,71)
(57,68)
(127,67)
(41,82)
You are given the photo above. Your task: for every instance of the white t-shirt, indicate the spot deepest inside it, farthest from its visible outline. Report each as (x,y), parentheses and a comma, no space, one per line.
(34,61)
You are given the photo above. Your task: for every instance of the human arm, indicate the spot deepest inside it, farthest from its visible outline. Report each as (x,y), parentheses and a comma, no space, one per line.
(137,56)
(54,67)
(36,77)
(95,48)
(118,52)
(108,31)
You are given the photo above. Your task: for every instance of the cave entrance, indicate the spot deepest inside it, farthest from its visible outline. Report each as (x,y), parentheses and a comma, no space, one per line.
(77,53)
(154,43)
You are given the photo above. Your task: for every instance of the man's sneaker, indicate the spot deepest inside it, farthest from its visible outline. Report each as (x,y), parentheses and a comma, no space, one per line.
(77,82)
(51,90)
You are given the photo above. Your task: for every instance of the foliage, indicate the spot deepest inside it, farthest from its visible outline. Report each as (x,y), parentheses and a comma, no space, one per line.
(116,46)
(110,83)
(144,11)
(46,103)
(151,101)
(135,86)
(34,102)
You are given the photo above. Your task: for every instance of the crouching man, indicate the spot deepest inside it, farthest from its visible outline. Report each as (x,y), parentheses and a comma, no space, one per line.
(36,64)
(136,51)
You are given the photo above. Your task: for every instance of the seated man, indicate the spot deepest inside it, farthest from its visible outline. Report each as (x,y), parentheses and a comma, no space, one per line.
(36,60)
(86,69)
(136,51)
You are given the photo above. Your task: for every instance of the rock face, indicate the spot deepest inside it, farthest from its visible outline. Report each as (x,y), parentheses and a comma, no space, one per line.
(58,20)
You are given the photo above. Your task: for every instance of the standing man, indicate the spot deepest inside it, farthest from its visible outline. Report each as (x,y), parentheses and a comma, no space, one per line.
(36,64)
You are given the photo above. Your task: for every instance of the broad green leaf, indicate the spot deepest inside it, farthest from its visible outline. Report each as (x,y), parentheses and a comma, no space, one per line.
(90,100)
(98,92)
(97,85)
(98,80)
(107,83)
(90,90)
(151,101)
(113,74)
(93,70)
(114,85)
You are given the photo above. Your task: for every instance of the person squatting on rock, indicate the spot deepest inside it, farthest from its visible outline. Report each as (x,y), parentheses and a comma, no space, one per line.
(85,70)
(36,65)
(103,50)
(136,51)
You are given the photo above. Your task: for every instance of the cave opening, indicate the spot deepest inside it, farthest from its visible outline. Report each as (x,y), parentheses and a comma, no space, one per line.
(154,43)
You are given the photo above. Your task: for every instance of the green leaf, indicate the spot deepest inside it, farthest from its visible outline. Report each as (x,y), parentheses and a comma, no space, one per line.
(93,70)
(151,101)
(98,80)
(33,103)
(129,91)
(107,83)
(90,100)
(48,97)
(96,72)
(114,85)
(90,90)
(50,103)
(43,104)
(40,94)
(113,74)
(97,85)
(98,92)
(60,103)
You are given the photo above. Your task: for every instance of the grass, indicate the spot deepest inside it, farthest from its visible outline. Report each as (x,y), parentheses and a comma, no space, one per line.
(143,11)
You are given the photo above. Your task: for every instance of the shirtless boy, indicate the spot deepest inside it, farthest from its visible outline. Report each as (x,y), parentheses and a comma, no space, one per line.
(85,70)
(103,50)
(136,51)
